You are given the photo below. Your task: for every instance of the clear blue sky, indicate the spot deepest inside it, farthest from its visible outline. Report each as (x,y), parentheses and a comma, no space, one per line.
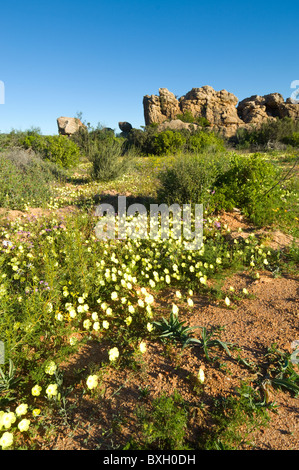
(100,58)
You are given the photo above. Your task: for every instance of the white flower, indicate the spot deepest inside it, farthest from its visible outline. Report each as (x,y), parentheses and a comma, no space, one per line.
(51,390)
(94,316)
(96,325)
(128,321)
(190,302)
(105,324)
(201,376)
(227,301)
(87,324)
(8,419)
(175,309)
(92,381)
(6,440)
(36,390)
(114,295)
(245,291)
(24,425)
(51,368)
(149,327)
(113,354)
(142,347)
(21,409)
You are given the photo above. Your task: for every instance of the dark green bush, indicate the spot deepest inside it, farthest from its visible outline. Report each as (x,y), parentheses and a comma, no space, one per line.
(170,142)
(88,139)
(58,149)
(292,139)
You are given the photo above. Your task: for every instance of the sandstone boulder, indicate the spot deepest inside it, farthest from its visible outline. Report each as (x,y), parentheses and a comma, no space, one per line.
(176,125)
(158,109)
(68,125)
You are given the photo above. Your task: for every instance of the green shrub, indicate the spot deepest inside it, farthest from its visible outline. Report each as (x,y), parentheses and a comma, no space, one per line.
(25,180)
(168,142)
(58,149)
(250,185)
(165,426)
(200,140)
(107,160)
(191,178)
(187,116)
(266,134)
(292,139)
(87,139)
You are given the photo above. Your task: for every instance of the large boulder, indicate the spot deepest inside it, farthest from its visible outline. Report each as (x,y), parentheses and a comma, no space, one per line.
(125,127)
(158,109)
(69,125)
(176,125)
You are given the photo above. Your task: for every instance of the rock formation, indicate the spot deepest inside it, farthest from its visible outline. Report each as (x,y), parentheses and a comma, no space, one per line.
(68,126)
(220,108)
(257,109)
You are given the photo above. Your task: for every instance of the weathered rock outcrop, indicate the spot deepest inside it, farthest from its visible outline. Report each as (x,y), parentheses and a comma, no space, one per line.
(257,109)
(219,108)
(68,125)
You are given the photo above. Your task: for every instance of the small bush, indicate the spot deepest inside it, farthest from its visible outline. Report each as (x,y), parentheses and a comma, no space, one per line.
(107,160)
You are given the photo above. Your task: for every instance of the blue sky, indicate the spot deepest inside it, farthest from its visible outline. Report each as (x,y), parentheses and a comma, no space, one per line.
(100,58)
